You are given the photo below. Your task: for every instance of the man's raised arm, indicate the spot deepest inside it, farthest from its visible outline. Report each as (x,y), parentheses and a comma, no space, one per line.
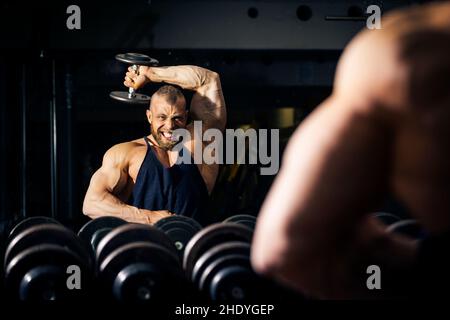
(208,104)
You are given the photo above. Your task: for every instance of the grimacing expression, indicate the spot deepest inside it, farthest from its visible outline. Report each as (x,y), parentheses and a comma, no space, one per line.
(164,118)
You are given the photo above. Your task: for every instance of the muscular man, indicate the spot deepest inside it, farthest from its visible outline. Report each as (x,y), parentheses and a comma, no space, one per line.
(140,180)
(384,129)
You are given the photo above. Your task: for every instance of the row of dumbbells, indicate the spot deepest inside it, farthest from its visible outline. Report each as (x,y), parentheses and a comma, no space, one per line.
(175,258)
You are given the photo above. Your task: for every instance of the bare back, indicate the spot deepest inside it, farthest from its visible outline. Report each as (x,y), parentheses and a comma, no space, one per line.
(421,173)
(385,128)
(412,101)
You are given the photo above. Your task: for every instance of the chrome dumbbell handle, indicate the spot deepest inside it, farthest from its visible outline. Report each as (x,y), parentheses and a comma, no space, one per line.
(135,60)
(131,91)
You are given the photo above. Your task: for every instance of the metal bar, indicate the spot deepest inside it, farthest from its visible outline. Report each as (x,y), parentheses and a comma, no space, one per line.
(345,18)
(68,143)
(53,145)
(3,197)
(23,161)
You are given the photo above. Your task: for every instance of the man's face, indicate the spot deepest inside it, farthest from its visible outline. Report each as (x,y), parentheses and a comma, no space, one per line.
(164,118)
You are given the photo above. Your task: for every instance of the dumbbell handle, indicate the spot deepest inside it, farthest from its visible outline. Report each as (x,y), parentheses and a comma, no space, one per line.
(131,91)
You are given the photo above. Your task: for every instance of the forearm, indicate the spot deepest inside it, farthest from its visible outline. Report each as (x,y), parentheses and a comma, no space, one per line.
(326,262)
(107,204)
(395,255)
(314,213)
(186,76)
(208,103)
(352,251)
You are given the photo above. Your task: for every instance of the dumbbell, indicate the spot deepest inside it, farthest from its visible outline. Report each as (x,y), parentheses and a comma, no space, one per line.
(47,233)
(22,225)
(410,228)
(29,222)
(217,261)
(136,60)
(244,219)
(180,229)
(93,231)
(386,218)
(37,262)
(139,263)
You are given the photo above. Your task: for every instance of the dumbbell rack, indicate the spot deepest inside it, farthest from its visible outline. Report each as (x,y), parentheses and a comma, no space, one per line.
(174,259)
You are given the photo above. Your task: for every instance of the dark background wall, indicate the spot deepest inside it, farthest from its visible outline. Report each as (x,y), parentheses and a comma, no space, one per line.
(55,82)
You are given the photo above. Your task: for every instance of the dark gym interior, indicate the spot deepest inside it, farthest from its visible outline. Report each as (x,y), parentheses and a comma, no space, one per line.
(57,120)
(276,61)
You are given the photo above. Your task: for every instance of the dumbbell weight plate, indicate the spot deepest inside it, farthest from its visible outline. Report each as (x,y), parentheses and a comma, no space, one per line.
(46,234)
(248,223)
(45,255)
(43,283)
(124,97)
(227,248)
(234,283)
(135,282)
(132,232)
(30,222)
(222,262)
(245,219)
(408,228)
(211,236)
(386,218)
(98,236)
(180,229)
(137,59)
(93,231)
(140,270)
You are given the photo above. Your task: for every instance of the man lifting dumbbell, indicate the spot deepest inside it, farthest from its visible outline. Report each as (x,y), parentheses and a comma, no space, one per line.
(139,180)
(384,129)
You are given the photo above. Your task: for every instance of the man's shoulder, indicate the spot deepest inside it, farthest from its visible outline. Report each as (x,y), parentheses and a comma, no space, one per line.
(136,143)
(128,145)
(123,150)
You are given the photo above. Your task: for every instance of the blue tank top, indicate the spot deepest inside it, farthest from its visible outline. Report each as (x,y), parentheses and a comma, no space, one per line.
(179,188)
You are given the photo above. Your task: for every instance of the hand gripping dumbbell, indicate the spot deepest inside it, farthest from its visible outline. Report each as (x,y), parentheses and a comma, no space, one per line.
(136,60)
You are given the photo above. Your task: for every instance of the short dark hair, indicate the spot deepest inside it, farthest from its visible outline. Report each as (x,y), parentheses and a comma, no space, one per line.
(170,93)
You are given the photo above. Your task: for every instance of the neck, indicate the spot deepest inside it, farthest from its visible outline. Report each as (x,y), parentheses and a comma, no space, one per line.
(155,143)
